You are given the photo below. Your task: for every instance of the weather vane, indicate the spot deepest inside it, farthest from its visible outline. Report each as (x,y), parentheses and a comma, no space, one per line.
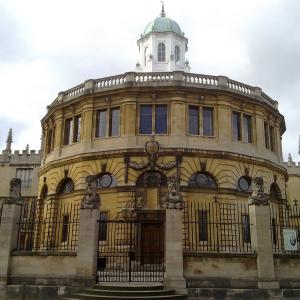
(162,8)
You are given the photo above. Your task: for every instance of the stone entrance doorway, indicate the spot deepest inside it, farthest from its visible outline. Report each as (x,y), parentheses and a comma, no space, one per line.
(131,250)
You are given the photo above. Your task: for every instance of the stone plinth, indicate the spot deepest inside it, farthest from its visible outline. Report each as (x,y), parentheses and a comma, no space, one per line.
(262,244)
(174,252)
(8,236)
(87,247)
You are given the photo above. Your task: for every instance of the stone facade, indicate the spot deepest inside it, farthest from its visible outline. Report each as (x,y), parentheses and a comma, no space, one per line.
(23,164)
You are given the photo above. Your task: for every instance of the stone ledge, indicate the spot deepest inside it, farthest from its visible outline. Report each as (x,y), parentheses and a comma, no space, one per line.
(219,254)
(41,253)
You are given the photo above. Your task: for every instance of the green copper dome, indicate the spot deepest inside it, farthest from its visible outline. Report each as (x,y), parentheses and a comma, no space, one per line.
(163,24)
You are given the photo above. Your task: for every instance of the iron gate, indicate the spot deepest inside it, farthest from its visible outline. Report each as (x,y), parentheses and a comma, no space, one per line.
(130,251)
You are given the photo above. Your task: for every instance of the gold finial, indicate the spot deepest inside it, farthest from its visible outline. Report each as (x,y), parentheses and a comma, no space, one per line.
(162,14)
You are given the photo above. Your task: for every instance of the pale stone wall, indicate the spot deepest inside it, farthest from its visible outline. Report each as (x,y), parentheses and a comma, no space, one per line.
(39,267)
(207,267)
(287,267)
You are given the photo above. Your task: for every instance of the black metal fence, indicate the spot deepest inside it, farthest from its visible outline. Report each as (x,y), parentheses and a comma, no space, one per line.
(216,227)
(49,226)
(130,251)
(285,227)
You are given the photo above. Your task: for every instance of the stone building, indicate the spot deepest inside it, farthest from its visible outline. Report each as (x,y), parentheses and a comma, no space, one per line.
(146,176)
(19,164)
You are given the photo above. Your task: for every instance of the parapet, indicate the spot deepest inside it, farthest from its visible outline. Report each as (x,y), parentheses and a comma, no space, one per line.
(32,157)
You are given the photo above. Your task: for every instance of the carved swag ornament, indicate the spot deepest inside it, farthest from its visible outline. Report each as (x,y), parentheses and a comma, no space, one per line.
(173,199)
(258,197)
(152,150)
(91,199)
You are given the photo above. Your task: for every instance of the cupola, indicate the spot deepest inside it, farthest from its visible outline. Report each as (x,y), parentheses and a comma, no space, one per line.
(162,46)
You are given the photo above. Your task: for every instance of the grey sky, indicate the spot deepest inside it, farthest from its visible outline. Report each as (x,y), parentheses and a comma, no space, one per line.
(49,46)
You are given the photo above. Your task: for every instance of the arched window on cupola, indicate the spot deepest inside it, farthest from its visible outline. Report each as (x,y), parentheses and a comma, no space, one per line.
(145,55)
(161,52)
(275,193)
(202,180)
(177,54)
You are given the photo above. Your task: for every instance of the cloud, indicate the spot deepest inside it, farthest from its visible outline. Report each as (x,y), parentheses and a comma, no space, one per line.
(49,46)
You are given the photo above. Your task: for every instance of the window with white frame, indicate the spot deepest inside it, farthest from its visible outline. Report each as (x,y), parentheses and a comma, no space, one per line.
(161,52)
(108,122)
(241,127)
(72,130)
(177,54)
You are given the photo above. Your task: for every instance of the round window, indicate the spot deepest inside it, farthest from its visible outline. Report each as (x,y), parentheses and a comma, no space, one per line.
(244,184)
(105,181)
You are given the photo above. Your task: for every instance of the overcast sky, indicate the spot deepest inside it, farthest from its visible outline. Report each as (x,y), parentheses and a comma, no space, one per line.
(50,46)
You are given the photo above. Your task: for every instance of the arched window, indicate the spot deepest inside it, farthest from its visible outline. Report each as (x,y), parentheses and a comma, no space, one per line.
(66,186)
(244,184)
(151,179)
(177,54)
(275,193)
(145,56)
(44,192)
(106,180)
(203,180)
(161,52)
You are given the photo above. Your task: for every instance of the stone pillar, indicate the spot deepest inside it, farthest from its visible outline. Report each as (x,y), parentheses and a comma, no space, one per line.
(261,239)
(174,251)
(8,236)
(87,251)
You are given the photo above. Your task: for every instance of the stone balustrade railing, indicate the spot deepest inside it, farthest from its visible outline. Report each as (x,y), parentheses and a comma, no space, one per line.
(163,78)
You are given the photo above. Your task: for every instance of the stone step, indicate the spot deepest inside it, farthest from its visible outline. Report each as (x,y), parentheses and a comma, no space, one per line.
(136,286)
(84,296)
(130,292)
(126,292)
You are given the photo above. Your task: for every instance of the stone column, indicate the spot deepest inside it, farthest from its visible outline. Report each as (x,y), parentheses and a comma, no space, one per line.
(174,251)
(261,239)
(87,251)
(8,236)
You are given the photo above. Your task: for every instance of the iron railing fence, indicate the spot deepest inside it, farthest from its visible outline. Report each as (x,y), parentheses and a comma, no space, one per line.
(1,209)
(216,227)
(49,226)
(285,228)
(130,251)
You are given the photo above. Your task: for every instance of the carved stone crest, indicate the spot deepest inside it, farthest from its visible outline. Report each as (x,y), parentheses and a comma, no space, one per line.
(91,199)
(15,191)
(172,199)
(258,196)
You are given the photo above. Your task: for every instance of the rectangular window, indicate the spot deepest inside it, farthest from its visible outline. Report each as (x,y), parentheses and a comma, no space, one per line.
(146,119)
(68,132)
(208,126)
(49,146)
(247,129)
(194,120)
(77,128)
(266,130)
(272,140)
(246,229)
(161,119)
(25,174)
(203,225)
(65,228)
(236,126)
(101,124)
(114,122)
(103,227)
(274,231)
